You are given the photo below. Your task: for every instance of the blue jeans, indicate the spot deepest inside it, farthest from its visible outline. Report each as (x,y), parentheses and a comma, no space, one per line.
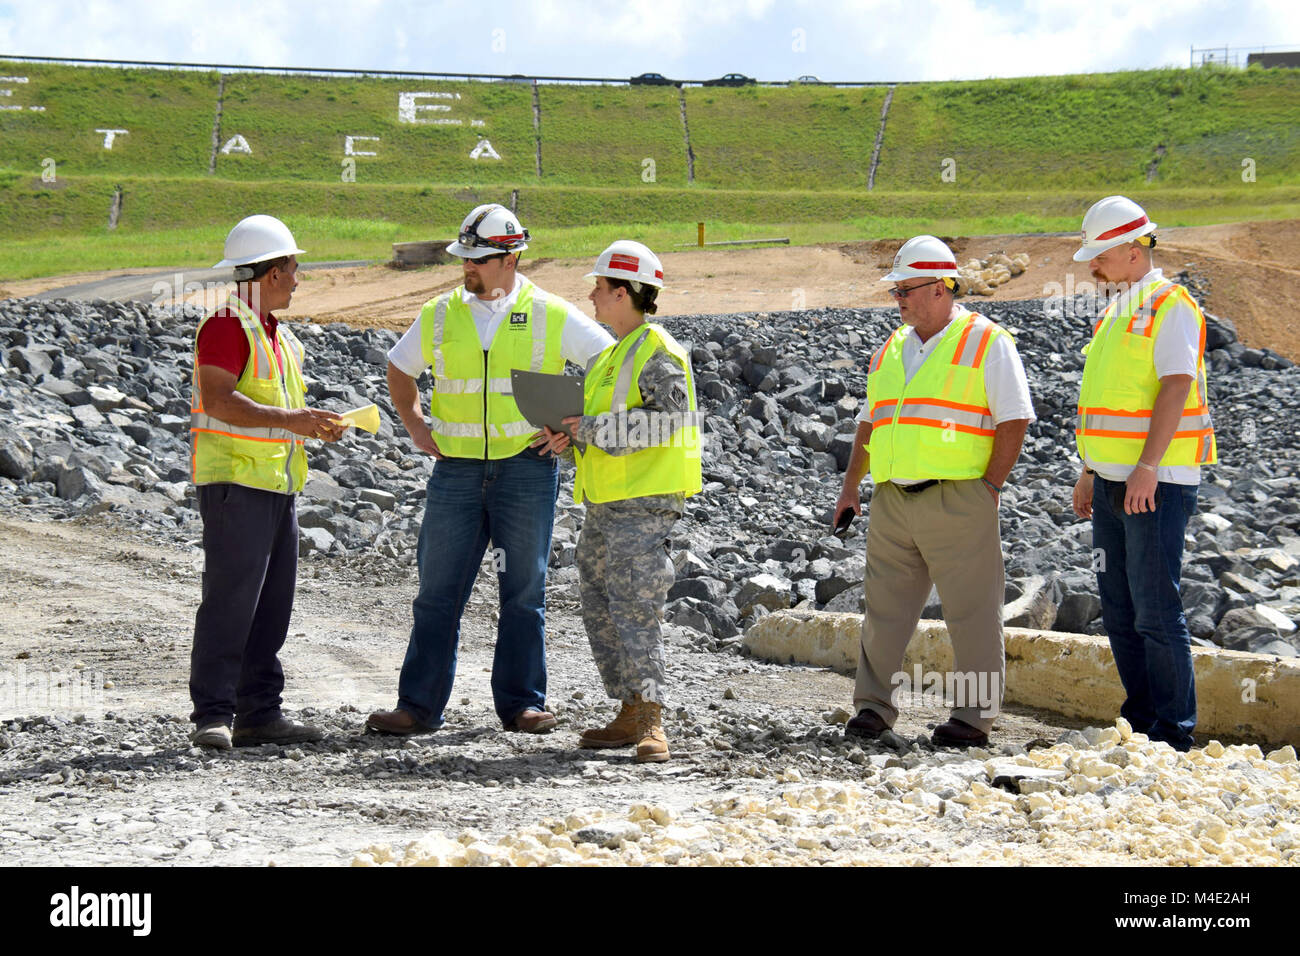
(1138,578)
(510,502)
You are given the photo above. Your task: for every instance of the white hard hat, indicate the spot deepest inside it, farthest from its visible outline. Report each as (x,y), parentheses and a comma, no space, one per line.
(1112,222)
(489,230)
(632,261)
(923,257)
(257,239)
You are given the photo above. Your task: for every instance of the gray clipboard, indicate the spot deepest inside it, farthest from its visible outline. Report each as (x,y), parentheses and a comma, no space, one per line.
(546,399)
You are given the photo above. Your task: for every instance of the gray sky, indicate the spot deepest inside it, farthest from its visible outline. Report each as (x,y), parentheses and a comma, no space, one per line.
(770,40)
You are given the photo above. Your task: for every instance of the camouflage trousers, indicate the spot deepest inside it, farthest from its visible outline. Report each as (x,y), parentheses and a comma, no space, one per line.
(624,574)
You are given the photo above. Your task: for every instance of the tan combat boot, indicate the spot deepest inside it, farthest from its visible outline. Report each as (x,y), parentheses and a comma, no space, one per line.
(652,743)
(619,732)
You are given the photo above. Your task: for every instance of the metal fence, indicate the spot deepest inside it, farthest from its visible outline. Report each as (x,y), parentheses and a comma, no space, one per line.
(420,74)
(1231,55)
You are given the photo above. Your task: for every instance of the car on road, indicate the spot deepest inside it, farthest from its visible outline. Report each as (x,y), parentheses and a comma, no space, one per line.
(732,79)
(807,78)
(652,79)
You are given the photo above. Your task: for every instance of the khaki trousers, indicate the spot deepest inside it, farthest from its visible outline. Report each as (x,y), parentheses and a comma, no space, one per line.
(946,535)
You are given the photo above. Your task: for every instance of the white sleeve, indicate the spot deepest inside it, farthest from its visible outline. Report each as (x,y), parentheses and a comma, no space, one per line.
(1178,342)
(583,338)
(1005,383)
(408,353)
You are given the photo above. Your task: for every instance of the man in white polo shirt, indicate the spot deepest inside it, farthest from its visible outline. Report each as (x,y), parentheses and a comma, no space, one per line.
(946,413)
(1143,433)
(489,484)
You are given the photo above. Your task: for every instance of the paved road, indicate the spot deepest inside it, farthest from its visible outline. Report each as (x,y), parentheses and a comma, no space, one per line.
(156,283)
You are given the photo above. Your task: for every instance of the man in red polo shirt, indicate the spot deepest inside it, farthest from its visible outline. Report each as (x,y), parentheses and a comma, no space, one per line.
(248,422)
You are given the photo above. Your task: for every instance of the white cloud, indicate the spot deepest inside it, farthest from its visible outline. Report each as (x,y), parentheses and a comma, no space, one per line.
(845,39)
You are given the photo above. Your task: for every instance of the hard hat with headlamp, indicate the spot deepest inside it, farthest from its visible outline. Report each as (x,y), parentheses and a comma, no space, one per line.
(489,230)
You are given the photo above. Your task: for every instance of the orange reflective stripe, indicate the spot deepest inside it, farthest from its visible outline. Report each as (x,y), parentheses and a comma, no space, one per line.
(1115,411)
(1097,423)
(1102,433)
(213,431)
(961,344)
(1142,321)
(946,425)
(1159,300)
(969,418)
(944,403)
(883,412)
(1199,410)
(879,357)
(984,343)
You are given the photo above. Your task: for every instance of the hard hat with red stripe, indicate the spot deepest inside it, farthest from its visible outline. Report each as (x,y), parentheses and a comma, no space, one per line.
(489,230)
(925,257)
(1112,222)
(632,261)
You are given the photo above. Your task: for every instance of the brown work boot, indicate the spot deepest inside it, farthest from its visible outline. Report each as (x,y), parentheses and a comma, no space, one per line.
(619,732)
(399,723)
(652,742)
(534,721)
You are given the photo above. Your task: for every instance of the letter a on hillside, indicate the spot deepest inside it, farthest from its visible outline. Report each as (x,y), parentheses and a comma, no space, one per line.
(484,148)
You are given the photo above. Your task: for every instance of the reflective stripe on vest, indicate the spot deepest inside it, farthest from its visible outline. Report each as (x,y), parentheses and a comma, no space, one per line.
(472,409)
(938,424)
(1118,393)
(271,459)
(674,466)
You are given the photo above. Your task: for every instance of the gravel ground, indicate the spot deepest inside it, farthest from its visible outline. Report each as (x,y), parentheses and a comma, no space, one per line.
(99,568)
(761,772)
(119,783)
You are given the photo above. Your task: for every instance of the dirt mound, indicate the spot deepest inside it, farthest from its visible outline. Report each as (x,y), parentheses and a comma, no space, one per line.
(1250,266)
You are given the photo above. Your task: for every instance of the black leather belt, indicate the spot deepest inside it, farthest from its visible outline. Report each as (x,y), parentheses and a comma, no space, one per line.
(919,487)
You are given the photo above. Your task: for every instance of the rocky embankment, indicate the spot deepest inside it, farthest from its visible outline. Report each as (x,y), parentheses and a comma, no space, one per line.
(96,396)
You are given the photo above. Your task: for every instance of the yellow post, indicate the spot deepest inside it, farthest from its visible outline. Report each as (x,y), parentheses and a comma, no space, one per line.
(699,228)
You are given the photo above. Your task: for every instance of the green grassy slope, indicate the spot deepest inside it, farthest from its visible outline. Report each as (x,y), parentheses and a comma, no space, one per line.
(1030,154)
(296,128)
(803,137)
(183,222)
(1102,130)
(169,116)
(602,135)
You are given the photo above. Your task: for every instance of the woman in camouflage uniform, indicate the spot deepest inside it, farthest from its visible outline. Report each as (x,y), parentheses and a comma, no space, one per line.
(637,453)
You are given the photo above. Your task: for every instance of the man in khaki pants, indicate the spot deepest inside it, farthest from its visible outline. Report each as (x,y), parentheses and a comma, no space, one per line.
(946,413)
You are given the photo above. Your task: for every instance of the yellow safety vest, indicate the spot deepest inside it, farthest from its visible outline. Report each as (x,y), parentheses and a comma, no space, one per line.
(938,425)
(473,408)
(272,459)
(1119,388)
(611,385)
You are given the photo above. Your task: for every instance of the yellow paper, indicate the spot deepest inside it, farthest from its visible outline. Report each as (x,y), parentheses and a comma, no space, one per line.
(366,417)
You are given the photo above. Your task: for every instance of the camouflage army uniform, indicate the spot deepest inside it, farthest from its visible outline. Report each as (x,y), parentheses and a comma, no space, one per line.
(624,570)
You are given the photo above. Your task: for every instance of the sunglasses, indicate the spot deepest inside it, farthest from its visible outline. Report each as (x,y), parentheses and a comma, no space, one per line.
(904,293)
